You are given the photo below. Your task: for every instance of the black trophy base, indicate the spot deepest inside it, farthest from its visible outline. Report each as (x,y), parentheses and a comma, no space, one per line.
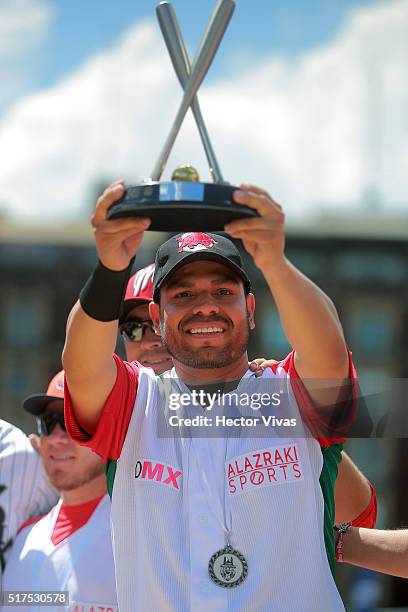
(181,206)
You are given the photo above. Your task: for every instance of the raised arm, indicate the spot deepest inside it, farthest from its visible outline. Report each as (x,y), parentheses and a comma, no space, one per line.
(377,549)
(308,316)
(92,324)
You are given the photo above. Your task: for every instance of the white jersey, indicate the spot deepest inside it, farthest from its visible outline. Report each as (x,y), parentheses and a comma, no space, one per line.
(82,564)
(24,489)
(166,525)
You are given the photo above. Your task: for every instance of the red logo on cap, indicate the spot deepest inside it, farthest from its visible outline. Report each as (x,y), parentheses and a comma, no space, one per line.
(195,241)
(142,280)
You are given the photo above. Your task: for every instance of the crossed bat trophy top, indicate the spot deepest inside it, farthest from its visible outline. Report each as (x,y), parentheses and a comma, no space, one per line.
(184,203)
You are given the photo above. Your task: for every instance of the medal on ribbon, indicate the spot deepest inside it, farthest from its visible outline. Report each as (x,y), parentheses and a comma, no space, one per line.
(228,568)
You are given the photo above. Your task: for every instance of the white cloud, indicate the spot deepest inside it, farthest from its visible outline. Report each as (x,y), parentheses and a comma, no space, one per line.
(24,25)
(318,129)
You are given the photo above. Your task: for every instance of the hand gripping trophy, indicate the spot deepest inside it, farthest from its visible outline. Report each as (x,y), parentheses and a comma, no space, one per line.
(184,203)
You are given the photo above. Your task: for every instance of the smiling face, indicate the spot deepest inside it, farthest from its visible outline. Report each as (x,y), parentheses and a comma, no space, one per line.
(67,464)
(150,351)
(204,315)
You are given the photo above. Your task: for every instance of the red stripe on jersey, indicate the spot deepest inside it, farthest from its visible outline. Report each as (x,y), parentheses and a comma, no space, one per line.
(113,423)
(30,521)
(72,518)
(368,517)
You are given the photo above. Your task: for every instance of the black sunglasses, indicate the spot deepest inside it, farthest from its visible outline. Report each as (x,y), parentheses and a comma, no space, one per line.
(133,331)
(47,422)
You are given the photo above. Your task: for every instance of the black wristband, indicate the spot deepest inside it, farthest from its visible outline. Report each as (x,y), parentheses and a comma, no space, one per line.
(102,295)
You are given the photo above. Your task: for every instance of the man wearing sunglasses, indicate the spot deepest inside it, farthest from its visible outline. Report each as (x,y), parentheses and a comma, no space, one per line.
(24,488)
(136,327)
(69,549)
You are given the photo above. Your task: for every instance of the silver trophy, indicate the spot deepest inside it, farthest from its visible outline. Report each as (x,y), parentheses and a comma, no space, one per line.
(185,203)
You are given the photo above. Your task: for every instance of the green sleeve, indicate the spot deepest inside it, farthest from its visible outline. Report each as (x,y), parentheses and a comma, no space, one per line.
(110,471)
(331,460)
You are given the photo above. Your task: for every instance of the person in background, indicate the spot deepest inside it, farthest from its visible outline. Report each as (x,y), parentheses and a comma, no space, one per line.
(24,487)
(68,549)
(135,325)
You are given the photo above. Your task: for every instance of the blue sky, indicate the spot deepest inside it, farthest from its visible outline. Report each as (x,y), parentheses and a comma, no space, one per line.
(81,28)
(306,99)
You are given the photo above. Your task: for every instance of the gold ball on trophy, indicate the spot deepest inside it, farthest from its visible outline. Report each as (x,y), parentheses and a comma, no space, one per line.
(185,172)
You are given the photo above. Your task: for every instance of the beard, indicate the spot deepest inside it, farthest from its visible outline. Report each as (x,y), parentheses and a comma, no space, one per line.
(206,357)
(64,481)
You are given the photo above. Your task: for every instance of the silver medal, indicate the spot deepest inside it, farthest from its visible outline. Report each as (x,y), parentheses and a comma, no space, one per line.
(228,568)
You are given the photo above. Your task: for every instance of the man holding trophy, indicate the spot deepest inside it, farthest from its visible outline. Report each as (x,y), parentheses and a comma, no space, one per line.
(186,535)
(166,536)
